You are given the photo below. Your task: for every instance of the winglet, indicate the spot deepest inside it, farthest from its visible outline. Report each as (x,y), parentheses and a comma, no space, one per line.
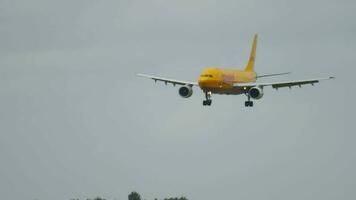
(251,61)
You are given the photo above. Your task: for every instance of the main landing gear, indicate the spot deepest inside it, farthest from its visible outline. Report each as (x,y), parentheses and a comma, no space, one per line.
(248,103)
(208,100)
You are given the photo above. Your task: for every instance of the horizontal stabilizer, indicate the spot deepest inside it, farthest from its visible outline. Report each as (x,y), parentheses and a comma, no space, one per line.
(268,75)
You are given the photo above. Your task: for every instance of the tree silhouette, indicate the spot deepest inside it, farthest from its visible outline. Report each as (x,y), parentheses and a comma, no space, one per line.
(99,198)
(134,196)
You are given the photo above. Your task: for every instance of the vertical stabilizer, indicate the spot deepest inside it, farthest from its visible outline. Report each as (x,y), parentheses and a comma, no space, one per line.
(251,61)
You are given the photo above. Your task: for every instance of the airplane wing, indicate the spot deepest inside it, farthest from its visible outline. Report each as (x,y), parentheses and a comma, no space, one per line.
(167,80)
(281,84)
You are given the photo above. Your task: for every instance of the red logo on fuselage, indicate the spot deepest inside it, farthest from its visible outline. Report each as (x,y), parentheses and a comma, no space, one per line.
(228,78)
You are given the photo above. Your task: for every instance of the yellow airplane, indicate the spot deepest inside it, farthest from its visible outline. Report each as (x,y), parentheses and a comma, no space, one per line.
(233,81)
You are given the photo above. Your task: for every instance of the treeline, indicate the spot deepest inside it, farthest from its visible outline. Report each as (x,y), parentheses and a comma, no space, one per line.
(137,196)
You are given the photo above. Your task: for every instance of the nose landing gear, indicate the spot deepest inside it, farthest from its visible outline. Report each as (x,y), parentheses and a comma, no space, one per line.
(208,100)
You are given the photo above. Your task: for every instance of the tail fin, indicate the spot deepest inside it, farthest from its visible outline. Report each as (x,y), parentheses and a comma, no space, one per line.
(251,61)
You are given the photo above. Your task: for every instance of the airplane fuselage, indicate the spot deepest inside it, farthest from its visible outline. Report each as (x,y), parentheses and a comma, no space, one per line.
(221,81)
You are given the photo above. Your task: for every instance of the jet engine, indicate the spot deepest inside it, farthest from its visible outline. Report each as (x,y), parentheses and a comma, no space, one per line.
(256,93)
(186,91)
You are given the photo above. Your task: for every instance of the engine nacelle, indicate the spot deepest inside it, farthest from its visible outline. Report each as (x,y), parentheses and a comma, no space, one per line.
(256,93)
(186,91)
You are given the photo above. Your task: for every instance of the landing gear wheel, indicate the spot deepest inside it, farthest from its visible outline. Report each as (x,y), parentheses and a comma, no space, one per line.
(248,103)
(207,102)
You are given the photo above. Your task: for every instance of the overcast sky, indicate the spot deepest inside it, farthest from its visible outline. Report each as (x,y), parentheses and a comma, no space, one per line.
(75,121)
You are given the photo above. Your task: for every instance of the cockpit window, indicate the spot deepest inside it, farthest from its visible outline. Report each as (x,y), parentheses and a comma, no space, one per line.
(207,75)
